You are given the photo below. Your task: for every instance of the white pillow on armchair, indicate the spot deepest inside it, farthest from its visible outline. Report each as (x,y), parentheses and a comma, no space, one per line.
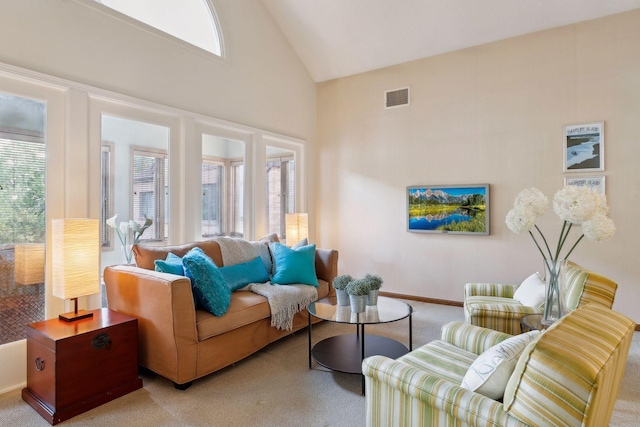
(531,291)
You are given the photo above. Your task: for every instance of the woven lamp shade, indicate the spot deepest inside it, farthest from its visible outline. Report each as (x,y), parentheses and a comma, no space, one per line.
(29,263)
(297,227)
(75,257)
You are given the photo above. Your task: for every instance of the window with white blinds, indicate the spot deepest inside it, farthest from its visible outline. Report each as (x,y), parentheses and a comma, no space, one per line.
(150,192)
(22,214)
(281,181)
(22,170)
(213,198)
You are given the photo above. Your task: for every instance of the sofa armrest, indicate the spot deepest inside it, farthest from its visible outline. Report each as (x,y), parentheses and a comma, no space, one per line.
(327,266)
(163,304)
(399,394)
(470,337)
(489,290)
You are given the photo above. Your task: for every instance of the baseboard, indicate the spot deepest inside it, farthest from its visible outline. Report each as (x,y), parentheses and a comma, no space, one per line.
(422,299)
(436,301)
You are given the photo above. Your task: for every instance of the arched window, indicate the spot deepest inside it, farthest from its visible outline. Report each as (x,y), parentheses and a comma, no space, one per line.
(193,21)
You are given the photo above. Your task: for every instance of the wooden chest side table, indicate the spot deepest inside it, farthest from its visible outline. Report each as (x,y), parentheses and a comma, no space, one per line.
(73,367)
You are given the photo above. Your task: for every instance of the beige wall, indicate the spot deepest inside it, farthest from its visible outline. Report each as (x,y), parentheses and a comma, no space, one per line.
(490,114)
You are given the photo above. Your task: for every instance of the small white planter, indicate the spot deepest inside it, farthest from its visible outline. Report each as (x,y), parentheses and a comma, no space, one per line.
(358,303)
(342,296)
(372,298)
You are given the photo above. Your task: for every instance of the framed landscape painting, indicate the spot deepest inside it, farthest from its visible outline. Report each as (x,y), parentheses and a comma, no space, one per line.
(584,147)
(450,209)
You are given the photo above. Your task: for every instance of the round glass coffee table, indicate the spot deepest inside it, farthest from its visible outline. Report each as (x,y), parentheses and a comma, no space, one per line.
(345,353)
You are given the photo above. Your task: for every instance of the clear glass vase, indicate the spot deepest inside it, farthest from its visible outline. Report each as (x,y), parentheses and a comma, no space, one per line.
(554,302)
(127,253)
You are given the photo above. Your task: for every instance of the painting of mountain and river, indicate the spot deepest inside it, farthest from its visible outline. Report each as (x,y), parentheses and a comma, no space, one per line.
(455,209)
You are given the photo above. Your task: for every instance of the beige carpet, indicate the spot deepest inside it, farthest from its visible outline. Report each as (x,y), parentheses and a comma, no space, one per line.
(275,387)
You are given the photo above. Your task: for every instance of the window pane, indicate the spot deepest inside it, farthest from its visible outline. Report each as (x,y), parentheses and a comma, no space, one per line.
(107,195)
(211,195)
(281,194)
(135,181)
(222,186)
(237,197)
(188,20)
(150,193)
(274,198)
(22,215)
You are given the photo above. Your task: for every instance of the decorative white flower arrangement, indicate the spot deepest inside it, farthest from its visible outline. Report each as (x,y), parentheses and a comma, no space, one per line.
(122,230)
(574,205)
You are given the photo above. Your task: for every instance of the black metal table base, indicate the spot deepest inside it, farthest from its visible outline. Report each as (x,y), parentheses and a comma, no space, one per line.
(345,353)
(342,353)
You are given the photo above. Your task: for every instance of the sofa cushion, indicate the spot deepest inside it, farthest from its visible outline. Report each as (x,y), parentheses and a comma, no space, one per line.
(531,291)
(210,291)
(490,372)
(172,264)
(239,275)
(294,266)
(245,308)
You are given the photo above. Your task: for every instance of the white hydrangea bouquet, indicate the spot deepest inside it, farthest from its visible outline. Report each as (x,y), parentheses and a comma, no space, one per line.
(122,230)
(575,205)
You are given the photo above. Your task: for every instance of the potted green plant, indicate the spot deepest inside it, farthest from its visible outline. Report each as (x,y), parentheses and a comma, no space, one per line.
(358,291)
(340,285)
(374,283)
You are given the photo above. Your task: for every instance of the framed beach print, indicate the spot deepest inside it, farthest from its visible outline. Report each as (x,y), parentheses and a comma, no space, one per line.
(584,147)
(594,182)
(448,209)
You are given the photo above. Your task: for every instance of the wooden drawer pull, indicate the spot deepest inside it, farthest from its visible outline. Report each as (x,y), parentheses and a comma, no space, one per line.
(39,364)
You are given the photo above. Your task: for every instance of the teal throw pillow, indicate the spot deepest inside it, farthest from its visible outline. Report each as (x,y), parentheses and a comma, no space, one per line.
(172,264)
(294,266)
(240,275)
(210,291)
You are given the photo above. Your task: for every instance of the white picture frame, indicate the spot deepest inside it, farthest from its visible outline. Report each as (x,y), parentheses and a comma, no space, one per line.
(596,183)
(583,147)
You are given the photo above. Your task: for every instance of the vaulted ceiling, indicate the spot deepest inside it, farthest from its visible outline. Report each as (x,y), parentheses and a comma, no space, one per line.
(337,38)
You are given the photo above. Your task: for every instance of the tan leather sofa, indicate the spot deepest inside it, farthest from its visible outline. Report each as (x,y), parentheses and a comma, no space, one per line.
(182,343)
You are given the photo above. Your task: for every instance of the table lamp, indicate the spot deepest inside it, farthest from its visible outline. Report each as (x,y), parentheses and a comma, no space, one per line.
(29,263)
(75,254)
(297,227)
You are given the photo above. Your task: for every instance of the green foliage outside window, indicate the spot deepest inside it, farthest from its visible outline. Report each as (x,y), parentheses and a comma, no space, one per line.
(22,192)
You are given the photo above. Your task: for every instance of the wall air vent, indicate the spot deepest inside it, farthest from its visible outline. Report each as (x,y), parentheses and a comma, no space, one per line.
(396,98)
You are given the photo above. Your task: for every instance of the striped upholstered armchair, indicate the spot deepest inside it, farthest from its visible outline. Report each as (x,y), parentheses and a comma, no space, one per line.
(492,305)
(568,375)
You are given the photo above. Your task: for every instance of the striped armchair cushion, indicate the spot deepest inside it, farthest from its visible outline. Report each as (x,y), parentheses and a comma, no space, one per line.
(571,375)
(501,314)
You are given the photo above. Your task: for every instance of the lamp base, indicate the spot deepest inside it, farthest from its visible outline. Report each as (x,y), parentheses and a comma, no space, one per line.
(73,316)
